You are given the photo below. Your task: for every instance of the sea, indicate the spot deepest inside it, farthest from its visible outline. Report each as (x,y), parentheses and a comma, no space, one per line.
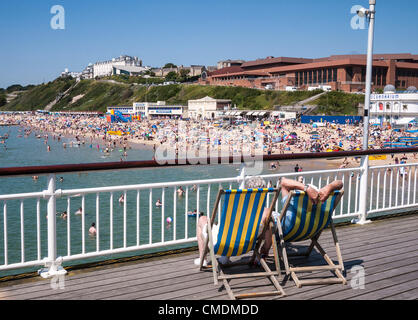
(19,151)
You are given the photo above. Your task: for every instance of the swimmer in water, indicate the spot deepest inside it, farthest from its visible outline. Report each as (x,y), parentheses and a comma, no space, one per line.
(121,198)
(79,211)
(92,230)
(180,191)
(158,203)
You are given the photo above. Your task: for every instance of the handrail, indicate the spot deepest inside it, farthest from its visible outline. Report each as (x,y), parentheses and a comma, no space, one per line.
(103,166)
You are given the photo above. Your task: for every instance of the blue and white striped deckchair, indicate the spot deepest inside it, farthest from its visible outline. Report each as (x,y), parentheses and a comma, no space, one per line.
(302,219)
(239,233)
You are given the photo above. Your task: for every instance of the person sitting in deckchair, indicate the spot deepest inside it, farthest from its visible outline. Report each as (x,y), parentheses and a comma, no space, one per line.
(202,227)
(314,194)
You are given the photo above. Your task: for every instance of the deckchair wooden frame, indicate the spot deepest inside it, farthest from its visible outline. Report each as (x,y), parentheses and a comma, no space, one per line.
(337,269)
(217,268)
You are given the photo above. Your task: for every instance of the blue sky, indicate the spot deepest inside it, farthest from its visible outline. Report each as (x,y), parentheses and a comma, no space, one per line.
(189,32)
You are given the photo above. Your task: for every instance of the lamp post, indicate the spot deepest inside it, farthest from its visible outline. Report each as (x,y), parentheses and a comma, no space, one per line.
(369,14)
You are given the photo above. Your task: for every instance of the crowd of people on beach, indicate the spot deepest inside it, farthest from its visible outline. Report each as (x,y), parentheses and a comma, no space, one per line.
(196,138)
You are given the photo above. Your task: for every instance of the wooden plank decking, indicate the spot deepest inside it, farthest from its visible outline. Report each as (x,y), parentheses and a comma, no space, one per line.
(387,249)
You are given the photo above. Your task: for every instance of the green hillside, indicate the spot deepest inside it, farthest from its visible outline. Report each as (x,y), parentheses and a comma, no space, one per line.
(338,103)
(97,95)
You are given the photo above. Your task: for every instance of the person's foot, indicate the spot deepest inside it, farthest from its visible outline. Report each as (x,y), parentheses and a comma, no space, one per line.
(197,262)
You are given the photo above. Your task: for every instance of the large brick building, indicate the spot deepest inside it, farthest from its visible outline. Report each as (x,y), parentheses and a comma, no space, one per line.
(341,72)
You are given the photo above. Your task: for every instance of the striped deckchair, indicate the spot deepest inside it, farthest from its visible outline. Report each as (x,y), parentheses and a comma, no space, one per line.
(307,224)
(238,234)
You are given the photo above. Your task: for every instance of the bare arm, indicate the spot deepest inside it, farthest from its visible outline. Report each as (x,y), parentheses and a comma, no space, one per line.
(328,189)
(289,184)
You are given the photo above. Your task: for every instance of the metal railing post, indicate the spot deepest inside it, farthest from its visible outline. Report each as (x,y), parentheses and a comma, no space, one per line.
(52,263)
(364,184)
(365,158)
(242,177)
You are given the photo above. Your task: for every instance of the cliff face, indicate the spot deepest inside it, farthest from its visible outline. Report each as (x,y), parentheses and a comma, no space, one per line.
(97,95)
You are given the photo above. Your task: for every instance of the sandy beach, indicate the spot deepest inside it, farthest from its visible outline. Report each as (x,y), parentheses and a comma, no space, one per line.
(200,138)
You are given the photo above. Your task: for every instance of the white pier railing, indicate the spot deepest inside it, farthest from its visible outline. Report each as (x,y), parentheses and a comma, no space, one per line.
(138,224)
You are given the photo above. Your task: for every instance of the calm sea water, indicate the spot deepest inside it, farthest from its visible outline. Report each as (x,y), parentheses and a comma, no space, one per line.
(29,151)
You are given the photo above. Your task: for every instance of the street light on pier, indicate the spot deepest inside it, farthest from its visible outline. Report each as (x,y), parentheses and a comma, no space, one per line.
(370,15)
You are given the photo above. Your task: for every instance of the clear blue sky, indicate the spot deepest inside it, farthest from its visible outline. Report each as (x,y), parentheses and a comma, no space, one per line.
(189,32)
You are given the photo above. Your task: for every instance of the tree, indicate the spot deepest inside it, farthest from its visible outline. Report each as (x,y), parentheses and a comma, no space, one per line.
(182,76)
(171,76)
(170,65)
(3,100)
(14,87)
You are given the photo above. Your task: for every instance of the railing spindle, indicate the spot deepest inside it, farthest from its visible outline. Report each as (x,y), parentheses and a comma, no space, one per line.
(371,190)
(150,217)
(409,183)
(68,226)
(125,200)
(378,189)
(38,228)
(83,224)
(5,232)
(22,231)
(97,222)
(397,187)
(138,202)
(186,216)
(111,221)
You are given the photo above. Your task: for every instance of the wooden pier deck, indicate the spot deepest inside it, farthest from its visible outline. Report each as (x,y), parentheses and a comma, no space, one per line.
(387,249)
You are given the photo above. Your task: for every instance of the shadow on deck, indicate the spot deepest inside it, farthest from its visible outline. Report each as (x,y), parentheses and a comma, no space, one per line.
(386,249)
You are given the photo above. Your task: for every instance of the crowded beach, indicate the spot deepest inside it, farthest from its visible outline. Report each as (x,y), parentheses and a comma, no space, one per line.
(192,137)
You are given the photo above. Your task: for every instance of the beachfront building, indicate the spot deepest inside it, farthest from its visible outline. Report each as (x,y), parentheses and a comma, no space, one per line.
(158,109)
(125,110)
(395,108)
(106,68)
(208,108)
(340,72)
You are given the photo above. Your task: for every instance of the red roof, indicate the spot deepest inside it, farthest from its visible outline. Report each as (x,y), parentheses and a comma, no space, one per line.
(227,70)
(272,60)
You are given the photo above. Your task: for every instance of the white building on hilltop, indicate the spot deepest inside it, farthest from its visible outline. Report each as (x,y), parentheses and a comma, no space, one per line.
(106,68)
(395,108)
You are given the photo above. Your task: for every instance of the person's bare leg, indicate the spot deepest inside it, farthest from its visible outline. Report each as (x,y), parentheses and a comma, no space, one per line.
(267,235)
(200,240)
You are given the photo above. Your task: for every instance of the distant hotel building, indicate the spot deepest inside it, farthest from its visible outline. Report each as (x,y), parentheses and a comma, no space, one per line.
(341,72)
(114,66)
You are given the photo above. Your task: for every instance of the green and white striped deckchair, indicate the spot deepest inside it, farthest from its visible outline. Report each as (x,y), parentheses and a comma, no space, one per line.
(238,234)
(306,222)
